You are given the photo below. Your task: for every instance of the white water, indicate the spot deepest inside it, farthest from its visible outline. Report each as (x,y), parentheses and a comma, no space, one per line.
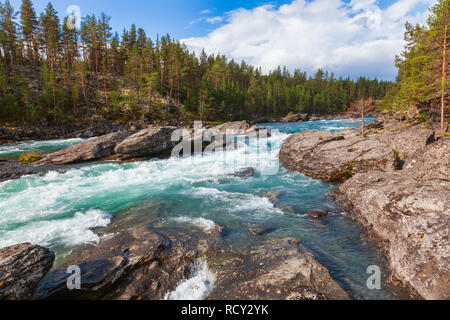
(205,224)
(46,146)
(42,209)
(197,286)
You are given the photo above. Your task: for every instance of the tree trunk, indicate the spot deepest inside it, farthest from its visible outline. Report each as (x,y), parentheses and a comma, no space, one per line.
(444,76)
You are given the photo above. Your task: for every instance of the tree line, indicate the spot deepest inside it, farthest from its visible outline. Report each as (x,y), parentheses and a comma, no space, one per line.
(50,71)
(423,78)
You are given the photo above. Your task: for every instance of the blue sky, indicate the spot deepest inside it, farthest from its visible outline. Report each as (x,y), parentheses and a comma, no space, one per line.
(349,37)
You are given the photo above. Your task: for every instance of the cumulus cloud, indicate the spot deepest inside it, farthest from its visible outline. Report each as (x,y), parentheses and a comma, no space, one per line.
(350,39)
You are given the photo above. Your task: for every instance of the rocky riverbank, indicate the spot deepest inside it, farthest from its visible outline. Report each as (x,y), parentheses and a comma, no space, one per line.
(396,185)
(141,264)
(126,145)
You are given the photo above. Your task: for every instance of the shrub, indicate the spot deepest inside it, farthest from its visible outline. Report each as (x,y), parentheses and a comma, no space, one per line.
(30,157)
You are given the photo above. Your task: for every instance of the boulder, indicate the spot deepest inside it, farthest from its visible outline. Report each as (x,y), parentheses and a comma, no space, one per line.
(233,128)
(316,214)
(275,269)
(245,173)
(239,128)
(298,117)
(90,150)
(335,156)
(133,264)
(408,212)
(22,266)
(152,141)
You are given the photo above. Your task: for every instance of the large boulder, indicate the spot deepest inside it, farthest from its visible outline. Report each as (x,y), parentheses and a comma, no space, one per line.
(409,213)
(22,266)
(335,156)
(152,141)
(273,270)
(233,128)
(90,150)
(298,117)
(130,265)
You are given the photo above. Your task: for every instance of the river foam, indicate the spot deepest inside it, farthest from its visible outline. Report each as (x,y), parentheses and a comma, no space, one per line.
(197,286)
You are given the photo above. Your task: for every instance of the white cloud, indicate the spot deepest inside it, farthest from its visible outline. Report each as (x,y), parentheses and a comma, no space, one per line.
(350,39)
(214,20)
(207,11)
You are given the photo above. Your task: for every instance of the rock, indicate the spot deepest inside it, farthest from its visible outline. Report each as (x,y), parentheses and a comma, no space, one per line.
(408,140)
(260,230)
(316,214)
(413,114)
(14,170)
(133,264)
(335,156)
(431,162)
(86,134)
(22,266)
(233,128)
(245,173)
(295,118)
(152,141)
(408,212)
(275,269)
(90,150)
(273,196)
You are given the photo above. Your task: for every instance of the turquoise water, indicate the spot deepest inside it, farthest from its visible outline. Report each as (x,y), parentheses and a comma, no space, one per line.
(13,150)
(64,210)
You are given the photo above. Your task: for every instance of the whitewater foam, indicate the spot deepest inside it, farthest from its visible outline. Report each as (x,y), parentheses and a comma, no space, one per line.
(205,224)
(70,231)
(197,286)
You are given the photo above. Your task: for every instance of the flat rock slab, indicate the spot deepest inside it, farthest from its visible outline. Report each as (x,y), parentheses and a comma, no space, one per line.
(152,141)
(276,269)
(22,266)
(409,213)
(90,150)
(336,156)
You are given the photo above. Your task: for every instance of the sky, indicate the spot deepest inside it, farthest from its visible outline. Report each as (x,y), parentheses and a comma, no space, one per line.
(348,37)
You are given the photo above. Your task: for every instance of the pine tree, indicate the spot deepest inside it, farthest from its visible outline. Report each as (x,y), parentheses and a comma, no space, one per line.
(29,27)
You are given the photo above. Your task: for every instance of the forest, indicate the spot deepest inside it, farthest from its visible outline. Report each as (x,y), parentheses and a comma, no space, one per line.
(53,72)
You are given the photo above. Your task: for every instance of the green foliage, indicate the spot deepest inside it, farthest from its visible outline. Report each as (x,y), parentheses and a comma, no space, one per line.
(91,71)
(422,73)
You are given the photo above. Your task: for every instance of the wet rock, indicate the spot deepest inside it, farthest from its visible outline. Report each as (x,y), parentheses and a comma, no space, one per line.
(21,268)
(90,150)
(10,170)
(245,173)
(260,230)
(336,156)
(131,265)
(153,141)
(408,212)
(317,214)
(275,269)
(273,196)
